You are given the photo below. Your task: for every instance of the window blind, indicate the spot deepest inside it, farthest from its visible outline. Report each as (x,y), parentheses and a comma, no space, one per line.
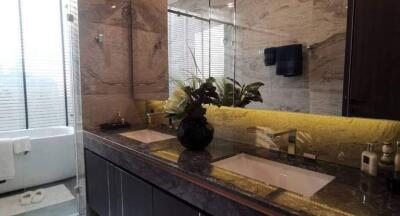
(217,51)
(187,35)
(12,102)
(176,49)
(33,81)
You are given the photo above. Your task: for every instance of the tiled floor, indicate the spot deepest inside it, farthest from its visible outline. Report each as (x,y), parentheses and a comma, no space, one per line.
(68,208)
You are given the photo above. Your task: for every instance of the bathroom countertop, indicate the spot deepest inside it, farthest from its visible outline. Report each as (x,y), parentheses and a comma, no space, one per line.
(191,177)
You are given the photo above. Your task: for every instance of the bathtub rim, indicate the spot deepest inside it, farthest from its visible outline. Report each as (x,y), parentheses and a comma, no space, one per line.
(69,131)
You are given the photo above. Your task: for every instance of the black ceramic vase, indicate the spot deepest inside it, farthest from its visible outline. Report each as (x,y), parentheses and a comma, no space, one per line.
(195,133)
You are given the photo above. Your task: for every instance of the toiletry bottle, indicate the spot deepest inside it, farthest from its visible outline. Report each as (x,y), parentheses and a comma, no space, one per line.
(369,161)
(397,159)
(387,156)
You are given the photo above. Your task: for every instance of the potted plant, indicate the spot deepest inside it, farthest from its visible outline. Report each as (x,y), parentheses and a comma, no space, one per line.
(194,132)
(187,105)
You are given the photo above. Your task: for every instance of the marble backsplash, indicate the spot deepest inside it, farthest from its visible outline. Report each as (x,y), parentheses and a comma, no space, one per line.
(335,139)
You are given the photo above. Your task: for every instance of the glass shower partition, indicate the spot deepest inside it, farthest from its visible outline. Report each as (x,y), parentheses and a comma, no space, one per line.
(40,99)
(72,31)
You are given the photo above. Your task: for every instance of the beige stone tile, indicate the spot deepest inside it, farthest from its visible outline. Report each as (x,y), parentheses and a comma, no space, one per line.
(106,68)
(150,65)
(98,109)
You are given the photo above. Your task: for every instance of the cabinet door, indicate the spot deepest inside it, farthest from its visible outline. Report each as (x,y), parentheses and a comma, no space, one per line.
(136,195)
(167,205)
(97,184)
(115,190)
(373,83)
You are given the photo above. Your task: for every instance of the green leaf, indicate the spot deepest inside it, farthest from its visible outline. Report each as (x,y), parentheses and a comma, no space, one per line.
(253,86)
(211,80)
(234,81)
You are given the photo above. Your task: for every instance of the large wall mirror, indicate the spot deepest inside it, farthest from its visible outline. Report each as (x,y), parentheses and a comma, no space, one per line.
(285,55)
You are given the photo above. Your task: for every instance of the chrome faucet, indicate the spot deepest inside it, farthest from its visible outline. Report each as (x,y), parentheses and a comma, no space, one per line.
(292,137)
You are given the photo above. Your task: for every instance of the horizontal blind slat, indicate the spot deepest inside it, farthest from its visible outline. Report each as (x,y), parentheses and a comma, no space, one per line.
(186,35)
(43,58)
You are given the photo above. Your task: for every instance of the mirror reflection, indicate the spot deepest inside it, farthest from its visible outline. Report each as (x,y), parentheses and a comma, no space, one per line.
(201,45)
(197,43)
(296,49)
(277,55)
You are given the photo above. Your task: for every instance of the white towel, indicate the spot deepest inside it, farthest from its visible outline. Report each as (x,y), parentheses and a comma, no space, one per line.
(7,163)
(22,145)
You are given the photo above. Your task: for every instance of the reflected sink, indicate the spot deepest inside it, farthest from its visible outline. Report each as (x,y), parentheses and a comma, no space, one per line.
(147,136)
(298,180)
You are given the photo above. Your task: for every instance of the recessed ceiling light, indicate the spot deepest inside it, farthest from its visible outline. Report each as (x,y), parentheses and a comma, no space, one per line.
(113,7)
(230,5)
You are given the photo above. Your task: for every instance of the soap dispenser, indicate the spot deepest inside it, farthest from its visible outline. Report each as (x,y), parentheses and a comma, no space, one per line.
(397,159)
(369,161)
(387,157)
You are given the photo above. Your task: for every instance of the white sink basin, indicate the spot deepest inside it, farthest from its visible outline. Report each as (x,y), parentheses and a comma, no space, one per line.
(298,180)
(147,136)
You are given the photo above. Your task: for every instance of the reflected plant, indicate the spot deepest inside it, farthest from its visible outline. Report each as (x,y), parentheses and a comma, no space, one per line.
(191,94)
(176,103)
(232,93)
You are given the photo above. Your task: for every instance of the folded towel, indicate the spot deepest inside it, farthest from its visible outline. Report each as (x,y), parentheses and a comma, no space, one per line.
(7,164)
(289,60)
(22,145)
(270,56)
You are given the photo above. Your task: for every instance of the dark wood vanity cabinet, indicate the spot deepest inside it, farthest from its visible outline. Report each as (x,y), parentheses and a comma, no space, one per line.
(372,82)
(166,205)
(137,196)
(115,189)
(114,192)
(97,183)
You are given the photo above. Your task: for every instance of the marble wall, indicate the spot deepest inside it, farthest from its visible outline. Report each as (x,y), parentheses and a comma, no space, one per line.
(106,68)
(318,24)
(150,49)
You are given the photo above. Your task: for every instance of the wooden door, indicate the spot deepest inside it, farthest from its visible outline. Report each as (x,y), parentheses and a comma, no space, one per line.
(372,84)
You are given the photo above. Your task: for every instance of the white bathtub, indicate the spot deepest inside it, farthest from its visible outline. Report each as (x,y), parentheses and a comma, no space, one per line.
(51,159)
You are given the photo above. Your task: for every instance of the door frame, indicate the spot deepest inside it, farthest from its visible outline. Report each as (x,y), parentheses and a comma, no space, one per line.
(348,57)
